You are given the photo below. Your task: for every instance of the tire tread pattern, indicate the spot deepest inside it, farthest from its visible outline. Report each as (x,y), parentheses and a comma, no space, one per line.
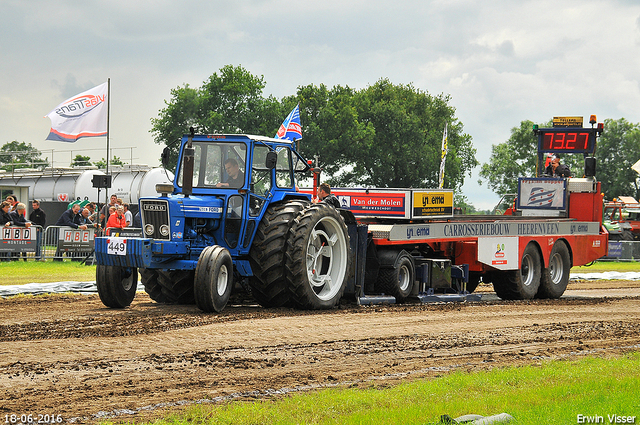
(267,256)
(168,286)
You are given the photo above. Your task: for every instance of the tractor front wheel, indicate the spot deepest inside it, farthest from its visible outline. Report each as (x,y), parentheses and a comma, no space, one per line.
(214,279)
(116,285)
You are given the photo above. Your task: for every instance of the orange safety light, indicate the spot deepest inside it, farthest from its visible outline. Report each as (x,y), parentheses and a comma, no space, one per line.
(592,120)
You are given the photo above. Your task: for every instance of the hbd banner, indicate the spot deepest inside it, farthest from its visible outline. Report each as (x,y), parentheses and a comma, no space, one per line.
(18,239)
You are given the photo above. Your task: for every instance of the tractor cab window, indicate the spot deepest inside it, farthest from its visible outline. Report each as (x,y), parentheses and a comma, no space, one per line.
(283,167)
(260,174)
(217,165)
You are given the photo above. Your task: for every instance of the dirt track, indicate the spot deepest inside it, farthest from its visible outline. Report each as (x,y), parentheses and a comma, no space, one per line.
(70,356)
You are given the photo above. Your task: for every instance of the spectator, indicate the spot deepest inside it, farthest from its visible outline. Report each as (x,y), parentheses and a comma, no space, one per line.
(19,220)
(91,206)
(127,215)
(5,218)
(39,218)
(104,212)
(325,195)
(117,220)
(18,214)
(68,218)
(13,201)
(84,218)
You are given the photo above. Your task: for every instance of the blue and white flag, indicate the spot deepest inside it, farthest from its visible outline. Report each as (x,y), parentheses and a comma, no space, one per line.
(83,115)
(291,128)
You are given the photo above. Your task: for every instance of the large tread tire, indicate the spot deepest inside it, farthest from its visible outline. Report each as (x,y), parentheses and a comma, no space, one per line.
(317,257)
(520,284)
(267,256)
(397,281)
(168,286)
(116,285)
(213,280)
(555,278)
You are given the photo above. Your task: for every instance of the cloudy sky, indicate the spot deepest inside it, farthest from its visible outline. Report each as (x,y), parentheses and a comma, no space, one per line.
(501,61)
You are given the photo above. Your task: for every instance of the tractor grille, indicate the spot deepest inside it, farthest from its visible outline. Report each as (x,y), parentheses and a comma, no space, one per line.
(155,213)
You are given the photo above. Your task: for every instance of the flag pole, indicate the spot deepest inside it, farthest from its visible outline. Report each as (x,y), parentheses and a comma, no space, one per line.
(106,192)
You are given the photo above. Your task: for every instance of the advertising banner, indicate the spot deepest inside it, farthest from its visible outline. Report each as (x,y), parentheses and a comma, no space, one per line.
(378,203)
(18,239)
(542,193)
(75,240)
(432,203)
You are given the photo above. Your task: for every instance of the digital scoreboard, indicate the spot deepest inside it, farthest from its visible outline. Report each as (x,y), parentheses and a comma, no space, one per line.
(567,140)
(568,136)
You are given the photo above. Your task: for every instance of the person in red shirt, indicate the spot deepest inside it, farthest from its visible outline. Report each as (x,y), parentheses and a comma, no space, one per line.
(117,219)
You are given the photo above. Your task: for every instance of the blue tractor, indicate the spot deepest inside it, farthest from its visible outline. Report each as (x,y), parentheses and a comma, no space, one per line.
(233,214)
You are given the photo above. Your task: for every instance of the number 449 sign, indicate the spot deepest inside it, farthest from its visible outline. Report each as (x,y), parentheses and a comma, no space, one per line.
(117,246)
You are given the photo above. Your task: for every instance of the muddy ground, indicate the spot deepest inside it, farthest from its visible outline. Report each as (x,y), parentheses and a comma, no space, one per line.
(70,356)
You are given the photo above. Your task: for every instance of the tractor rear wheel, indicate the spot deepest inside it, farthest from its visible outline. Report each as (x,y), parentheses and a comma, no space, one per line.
(520,284)
(317,257)
(213,279)
(116,285)
(555,278)
(268,283)
(168,286)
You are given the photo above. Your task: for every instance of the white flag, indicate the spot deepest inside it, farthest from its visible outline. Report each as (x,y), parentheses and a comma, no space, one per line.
(445,149)
(83,115)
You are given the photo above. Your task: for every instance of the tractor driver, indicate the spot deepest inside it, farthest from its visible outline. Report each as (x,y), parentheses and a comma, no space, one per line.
(236,177)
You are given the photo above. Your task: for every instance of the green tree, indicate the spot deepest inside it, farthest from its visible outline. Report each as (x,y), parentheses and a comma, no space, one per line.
(385,135)
(517,157)
(102,164)
(332,129)
(231,102)
(15,155)
(81,161)
(618,149)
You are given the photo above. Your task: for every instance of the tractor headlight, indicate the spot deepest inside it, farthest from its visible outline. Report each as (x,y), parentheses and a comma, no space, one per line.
(164,230)
(148,229)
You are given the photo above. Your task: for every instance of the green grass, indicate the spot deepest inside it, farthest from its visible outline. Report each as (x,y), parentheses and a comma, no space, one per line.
(609,266)
(21,272)
(552,393)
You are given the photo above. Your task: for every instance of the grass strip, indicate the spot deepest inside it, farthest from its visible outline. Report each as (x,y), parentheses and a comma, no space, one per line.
(22,272)
(553,392)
